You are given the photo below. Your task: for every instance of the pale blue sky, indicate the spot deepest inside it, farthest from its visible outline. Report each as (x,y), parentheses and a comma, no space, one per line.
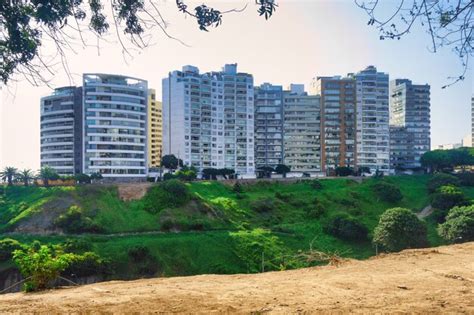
(302,40)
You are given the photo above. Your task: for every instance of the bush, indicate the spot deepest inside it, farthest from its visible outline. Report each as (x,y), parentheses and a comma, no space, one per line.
(41,265)
(459,225)
(346,228)
(466,179)
(169,194)
(144,262)
(441,179)
(7,246)
(168,176)
(398,229)
(77,245)
(263,205)
(344,171)
(316,184)
(387,192)
(75,221)
(138,253)
(237,188)
(445,198)
(87,264)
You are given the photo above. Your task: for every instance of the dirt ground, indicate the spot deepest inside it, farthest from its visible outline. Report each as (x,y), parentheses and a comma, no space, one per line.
(439,280)
(133,191)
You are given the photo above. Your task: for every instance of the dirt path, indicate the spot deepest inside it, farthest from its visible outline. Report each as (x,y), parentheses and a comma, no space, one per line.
(133,191)
(433,281)
(425,212)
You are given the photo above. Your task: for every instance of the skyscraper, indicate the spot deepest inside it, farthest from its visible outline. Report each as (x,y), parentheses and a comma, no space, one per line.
(410,112)
(155,129)
(208,119)
(61,130)
(373,145)
(268,125)
(302,130)
(115,126)
(338,121)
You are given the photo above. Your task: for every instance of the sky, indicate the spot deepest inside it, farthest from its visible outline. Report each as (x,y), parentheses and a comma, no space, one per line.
(302,40)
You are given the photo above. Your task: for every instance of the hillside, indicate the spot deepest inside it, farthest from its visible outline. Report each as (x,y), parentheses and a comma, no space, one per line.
(206,227)
(437,280)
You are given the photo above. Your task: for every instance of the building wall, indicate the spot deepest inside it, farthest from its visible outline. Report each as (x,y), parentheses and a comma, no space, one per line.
(155,128)
(208,119)
(268,125)
(59,120)
(410,108)
(373,138)
(115,129)
(338,121)
(302,130)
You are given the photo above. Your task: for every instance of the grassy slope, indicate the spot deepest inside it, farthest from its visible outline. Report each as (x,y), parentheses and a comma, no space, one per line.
(213,251)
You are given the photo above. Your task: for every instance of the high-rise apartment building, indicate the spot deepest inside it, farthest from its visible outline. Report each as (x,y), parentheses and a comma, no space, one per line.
(61,130)
(208,119)
(155,129)
(373,114)
(410,112)
(268,125)
(115,126)
(301,130)
(472,120)
(338,121)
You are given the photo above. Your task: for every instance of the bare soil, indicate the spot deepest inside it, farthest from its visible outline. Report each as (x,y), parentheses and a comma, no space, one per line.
(133,191)
(438,280)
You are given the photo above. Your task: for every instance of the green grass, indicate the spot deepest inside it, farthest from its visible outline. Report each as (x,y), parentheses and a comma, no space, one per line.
(215,211)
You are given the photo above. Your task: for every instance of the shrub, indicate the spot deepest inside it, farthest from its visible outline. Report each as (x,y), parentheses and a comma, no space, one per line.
(75,221)
(186,175)
(87,264)
(77,245)
(283,197)
(346,228)
(263,205)
(445,198)
(387,192)
(398,229)
(459,225)
(41,265)
(344,171)
(441,179)
(168,176)
(144,262)
(7,246)
(237,188)
(317,211)
(138,253)
(169,194)
(466,179)
(316,184)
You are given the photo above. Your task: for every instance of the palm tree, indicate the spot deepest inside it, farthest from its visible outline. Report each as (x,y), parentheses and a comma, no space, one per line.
(46,174)
(8,174)
(26,176)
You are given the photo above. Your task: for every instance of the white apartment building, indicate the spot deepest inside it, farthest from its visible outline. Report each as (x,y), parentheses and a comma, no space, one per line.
(115,126)
(373,116)
(208,118)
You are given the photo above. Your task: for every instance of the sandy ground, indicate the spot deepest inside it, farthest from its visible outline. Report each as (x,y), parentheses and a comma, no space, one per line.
(133,191)
(439,280)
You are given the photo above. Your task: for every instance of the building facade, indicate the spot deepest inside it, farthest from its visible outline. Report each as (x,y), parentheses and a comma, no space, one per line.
(302,130)
(155,129)
(115,126)
(373,115)
(208,119)
(410,109)
(61,123)
(338,121)
(268,125)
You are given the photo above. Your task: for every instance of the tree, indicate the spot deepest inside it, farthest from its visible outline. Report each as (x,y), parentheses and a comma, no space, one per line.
(8,174)
(435,160)
(170,162)
(210,173)
(282,169)
(449,24)
(265,171)
(344,171)
(96,176)
(459,225)
(387,192)
(40,264)
(82,178)
(347,228)
(26,25)
(398,229)
(441,179)
(445,198)
(46,174)
(26,176)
